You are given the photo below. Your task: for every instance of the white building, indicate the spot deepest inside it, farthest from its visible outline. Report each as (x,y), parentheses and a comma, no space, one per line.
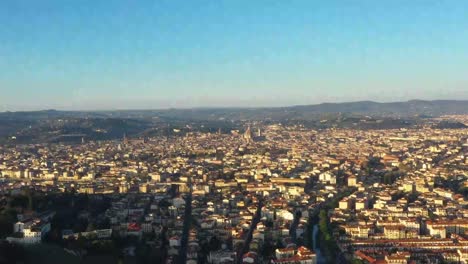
(30,232)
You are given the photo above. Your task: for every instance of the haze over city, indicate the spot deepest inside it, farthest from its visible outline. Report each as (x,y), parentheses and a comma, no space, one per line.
(91,55)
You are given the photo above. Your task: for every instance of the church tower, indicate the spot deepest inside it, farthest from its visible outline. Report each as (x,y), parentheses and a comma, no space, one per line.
(248,135)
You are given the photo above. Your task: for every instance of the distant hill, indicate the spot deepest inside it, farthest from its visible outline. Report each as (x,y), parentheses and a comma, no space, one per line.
(412,107)
(59,126)
(450,125)
(46,114)
(308,112)
(300,112)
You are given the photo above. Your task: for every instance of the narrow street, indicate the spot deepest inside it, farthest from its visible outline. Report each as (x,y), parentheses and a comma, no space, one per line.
(253,226)
(295,223)
(182,258)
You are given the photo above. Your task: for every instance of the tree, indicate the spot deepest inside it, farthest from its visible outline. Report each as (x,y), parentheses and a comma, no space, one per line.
(329,247)
(90,227)
(323,225)
(464,191)
(214,244)
(374,162)
(7,220)
(11,253)
(357,261)
(6,227)
(19,201)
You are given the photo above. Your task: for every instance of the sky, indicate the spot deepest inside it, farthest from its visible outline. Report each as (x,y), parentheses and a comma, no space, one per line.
(93,55)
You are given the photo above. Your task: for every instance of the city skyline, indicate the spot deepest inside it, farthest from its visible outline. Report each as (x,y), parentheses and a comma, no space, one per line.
(234,131)
(168,54)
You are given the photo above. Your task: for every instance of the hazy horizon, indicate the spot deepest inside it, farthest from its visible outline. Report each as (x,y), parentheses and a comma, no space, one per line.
(224,107)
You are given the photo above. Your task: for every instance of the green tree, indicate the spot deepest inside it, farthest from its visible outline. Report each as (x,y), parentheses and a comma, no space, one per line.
(7,220)
(357,261)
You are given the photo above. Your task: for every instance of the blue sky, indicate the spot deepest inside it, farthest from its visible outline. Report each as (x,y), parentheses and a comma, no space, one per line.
(70,54)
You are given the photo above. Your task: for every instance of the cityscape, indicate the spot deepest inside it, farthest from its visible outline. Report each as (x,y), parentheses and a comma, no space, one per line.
(233,132)
(265,193)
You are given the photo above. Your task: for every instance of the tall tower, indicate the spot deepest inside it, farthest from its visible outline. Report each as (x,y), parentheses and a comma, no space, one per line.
(125,140)
(248,135)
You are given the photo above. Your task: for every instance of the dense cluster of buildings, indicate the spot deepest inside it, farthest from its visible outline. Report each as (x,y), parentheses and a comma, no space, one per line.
(247,198)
